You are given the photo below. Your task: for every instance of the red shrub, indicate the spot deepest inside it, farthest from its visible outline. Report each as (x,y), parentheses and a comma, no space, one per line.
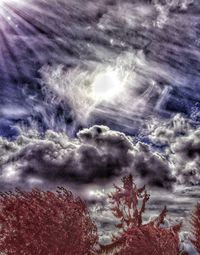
(45,223)
(146,240)
(138,238)
(196,228)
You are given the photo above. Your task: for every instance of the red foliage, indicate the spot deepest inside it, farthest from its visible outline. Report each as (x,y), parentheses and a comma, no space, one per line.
(45,223)
(147,240)
(125,200)
(138,238)
(196,228)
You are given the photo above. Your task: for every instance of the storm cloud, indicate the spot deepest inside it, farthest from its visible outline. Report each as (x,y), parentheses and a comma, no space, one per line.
(186,158)
(97,155)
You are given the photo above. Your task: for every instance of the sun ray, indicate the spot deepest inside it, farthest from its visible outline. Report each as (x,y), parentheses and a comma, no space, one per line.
(21,20)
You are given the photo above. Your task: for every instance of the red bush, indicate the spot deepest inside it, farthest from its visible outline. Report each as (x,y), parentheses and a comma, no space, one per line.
(45,223)
(138,238)
(196,228)
(145,240)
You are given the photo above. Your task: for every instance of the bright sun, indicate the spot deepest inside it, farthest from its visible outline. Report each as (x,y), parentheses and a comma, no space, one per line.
(106,85)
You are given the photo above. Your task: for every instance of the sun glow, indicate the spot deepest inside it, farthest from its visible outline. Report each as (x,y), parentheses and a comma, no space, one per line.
(10,1)
(106,86)
(4,3)
(8,6)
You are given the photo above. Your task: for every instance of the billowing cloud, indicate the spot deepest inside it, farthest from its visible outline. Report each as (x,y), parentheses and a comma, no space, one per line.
(151,167)
(182,141)
(166,132)
(97,155)
(186,157)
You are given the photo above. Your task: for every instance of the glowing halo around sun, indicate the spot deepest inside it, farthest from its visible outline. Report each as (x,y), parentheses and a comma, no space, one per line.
(101,89)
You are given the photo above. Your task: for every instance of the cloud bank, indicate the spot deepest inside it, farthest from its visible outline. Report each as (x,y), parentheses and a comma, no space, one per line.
(98,155)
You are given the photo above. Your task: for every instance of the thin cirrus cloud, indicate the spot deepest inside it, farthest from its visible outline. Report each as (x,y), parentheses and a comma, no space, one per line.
(156,48)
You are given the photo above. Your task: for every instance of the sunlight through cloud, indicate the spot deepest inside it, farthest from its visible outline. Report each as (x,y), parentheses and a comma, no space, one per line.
(9,6)
(8,2)
(106,86)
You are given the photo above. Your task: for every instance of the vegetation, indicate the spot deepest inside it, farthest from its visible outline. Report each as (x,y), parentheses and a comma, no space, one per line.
(58,223)
(45,223)
(196,228)
(138,238)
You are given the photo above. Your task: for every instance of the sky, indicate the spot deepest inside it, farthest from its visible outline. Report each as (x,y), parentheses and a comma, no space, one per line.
(93,90)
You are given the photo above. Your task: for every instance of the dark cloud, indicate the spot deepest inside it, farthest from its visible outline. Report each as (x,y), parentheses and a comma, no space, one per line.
(152,168)
(186,158)
(97,156)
